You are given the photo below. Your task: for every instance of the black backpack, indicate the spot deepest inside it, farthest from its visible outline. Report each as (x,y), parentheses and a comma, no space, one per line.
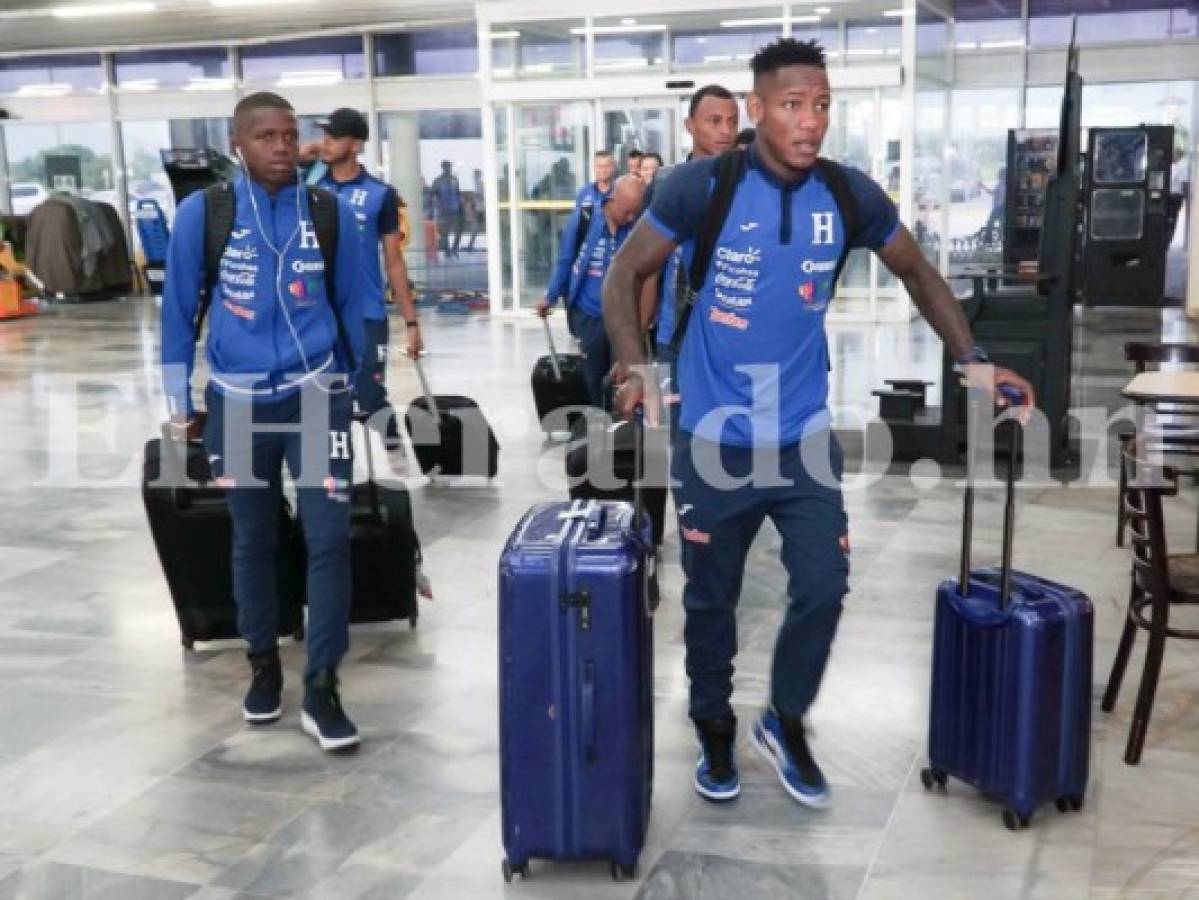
(730,169)
(220,208)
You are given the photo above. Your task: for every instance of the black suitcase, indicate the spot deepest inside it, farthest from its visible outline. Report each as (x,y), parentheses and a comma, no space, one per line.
(558,384)
(384,549)
(193,534)
(601,462)
(450,435)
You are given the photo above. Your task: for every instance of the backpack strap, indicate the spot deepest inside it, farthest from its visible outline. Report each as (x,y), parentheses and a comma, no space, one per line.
(322,207)
(837,180)
(220,207)
(730,168)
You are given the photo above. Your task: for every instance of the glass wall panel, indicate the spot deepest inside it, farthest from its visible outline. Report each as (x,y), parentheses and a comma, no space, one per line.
(721,39)
(149,70)
(538,49)
(873,41)
(977,171)
(850,141)
(439,51)
(143,141)
(630,44)
(80,152)
(51,76)
(314,61)
(553,149)
(434,158)
(1129,21)
(988,25)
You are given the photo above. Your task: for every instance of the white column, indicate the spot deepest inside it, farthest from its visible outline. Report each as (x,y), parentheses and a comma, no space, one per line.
(491,170)
(907,134)
(374,155)
(403,148)
(1192,295)
(118,146)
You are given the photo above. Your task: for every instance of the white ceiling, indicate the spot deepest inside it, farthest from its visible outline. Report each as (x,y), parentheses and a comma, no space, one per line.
(28,25)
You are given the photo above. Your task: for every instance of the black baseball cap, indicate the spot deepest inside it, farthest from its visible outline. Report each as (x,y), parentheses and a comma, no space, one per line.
(345,122)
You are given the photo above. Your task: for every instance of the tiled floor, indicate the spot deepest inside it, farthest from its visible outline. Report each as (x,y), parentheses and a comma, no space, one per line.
(126,772)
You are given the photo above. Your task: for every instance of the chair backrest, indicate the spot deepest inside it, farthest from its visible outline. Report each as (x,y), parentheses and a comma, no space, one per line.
(1145,486)
(1148,353)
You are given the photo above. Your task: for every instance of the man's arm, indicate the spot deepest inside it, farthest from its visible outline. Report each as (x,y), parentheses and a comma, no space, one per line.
(560,280)
(651,295)
(181,289)
(401,288)
(943,312)
(929,292)
(641,257)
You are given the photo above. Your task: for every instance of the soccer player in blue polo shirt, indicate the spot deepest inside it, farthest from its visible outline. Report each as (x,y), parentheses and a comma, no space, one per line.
(753,374)
(376,207)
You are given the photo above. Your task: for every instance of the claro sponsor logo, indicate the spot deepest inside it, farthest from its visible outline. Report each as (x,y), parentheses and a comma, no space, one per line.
(732,320)
(812,266)
(299,266)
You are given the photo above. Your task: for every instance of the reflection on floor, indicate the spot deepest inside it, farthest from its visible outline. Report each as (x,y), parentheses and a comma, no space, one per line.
(125,770)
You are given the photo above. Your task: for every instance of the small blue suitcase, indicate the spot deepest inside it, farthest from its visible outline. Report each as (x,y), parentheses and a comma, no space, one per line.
(1011,685)
(576,686)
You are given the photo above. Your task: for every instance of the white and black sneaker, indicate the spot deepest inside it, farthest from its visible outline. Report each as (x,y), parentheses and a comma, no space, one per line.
(264,699)
(323,718)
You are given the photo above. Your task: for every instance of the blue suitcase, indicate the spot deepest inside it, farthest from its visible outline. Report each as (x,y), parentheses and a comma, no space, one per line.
(576,686)
(1011,684)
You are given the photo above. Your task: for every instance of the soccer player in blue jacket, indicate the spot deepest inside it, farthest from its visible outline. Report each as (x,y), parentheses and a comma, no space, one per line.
(376,207)
(609,226)
(275,349)
(753,374)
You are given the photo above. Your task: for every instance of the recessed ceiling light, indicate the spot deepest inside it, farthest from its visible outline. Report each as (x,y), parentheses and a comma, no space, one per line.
(628,21)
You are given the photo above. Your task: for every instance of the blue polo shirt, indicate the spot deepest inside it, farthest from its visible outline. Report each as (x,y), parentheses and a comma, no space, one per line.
(376,206)
(753,368)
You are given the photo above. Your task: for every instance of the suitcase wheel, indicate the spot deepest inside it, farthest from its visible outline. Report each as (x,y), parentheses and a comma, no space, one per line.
(622,872)
(509,870)
(188,644)
(1014,821)
(931,778)
(412,622)
(1068,803)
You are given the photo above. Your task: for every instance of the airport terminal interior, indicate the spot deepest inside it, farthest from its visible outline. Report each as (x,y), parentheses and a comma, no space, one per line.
(1040,152)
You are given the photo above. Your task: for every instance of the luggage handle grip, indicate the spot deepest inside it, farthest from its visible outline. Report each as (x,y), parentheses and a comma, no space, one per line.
(587,713)
(549,336)
(597,514)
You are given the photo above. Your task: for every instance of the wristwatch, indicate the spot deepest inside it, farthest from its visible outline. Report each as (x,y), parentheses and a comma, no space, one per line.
(412,324)
(976,354)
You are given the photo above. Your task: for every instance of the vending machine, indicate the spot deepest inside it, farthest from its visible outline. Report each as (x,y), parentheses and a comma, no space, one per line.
(1127,195)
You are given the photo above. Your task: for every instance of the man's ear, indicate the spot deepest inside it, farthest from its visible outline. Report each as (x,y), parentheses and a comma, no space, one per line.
(754,107)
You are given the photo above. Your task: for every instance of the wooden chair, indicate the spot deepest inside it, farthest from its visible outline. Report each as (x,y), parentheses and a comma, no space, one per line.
(1171,436)
(1158,582)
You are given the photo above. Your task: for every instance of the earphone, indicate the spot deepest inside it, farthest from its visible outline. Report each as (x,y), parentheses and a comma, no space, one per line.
(279,255)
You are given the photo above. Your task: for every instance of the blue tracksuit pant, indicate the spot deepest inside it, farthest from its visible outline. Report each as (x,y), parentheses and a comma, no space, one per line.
(597,353)
(717,525)
(324,514)
(370,387)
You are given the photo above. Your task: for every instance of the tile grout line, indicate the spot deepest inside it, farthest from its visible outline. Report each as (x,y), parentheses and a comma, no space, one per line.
(887,826)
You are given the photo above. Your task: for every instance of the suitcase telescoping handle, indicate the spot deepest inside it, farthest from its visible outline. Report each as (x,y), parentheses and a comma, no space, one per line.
(424,386)
(1015,397)
(549,337)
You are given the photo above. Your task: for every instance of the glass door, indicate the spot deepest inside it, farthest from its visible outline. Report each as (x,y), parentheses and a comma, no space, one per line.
(651,126)
(550,155)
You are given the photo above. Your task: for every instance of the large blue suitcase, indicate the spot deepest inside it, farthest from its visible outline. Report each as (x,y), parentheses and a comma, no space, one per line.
(1011,683)
(576,686)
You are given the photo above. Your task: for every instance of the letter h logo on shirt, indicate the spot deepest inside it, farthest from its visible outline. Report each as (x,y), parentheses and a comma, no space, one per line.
(308,239)
(358,197)
(823,233)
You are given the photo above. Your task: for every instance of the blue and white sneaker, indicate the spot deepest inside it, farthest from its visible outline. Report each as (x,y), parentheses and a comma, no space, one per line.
(322,716)
(716,775)
(785,747)
(264,699)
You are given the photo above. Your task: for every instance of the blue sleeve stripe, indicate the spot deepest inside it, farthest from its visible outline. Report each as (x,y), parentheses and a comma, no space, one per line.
(891,235)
